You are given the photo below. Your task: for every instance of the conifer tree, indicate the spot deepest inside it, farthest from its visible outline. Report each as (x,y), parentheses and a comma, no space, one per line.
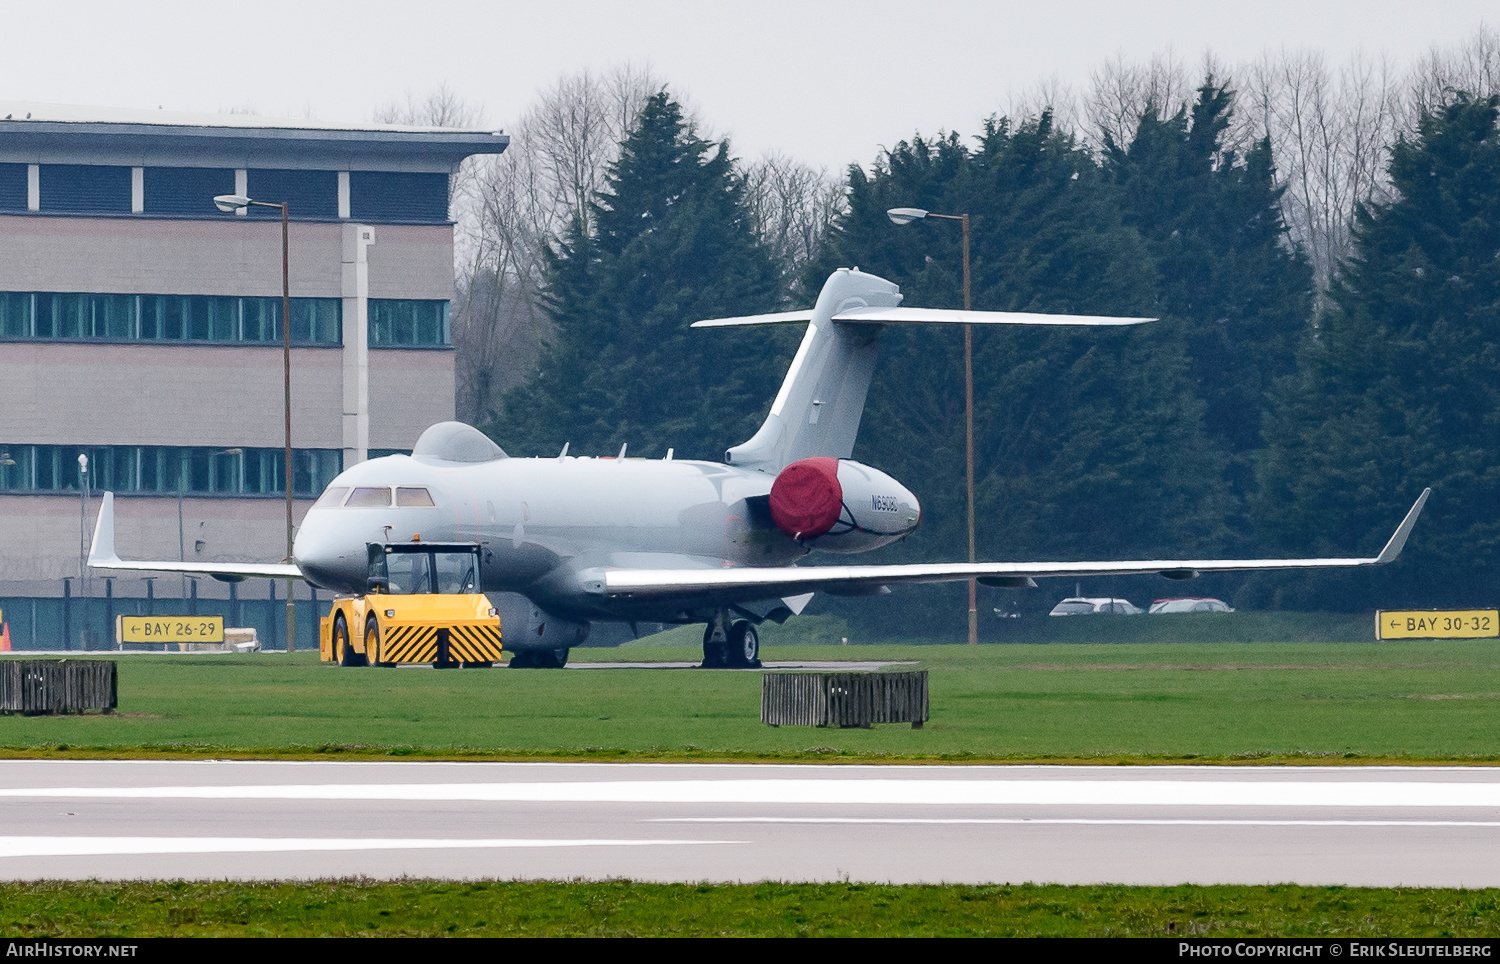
(671,244)
(1227,276)
(1400,388)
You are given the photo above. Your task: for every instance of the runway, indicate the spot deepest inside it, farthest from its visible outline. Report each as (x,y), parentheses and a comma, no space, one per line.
(1385,826)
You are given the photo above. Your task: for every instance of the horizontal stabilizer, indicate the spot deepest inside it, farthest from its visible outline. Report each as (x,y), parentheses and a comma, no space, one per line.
(766,582)
(954,316)
(102,556)
(924,316)
(780,318)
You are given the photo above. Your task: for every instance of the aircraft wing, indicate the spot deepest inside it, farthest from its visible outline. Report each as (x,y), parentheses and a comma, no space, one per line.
(102,556)
(749,583)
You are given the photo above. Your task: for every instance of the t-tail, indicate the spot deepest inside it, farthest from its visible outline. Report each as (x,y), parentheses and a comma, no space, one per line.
(818,409)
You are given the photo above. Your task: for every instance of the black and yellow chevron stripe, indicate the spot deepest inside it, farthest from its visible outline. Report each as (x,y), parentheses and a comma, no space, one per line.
(474,644)
(408,644)
(419,644)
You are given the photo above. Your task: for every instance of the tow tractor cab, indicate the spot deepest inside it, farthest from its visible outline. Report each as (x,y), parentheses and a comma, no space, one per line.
(422,604)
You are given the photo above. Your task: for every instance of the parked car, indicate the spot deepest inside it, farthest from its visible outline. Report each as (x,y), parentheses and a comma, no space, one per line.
(1081,605)
(1191,604)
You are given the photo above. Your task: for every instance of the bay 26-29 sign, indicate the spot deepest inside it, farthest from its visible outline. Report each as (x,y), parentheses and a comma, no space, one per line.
(171,629)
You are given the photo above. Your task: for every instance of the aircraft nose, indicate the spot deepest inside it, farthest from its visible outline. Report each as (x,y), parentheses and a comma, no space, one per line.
(328,559)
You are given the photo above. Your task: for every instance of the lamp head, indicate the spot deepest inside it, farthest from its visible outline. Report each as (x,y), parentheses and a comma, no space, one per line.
(230,203)
(905,215)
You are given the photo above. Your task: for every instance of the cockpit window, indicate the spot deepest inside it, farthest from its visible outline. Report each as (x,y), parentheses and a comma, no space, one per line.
(369,497)
(413,496)
(332,497)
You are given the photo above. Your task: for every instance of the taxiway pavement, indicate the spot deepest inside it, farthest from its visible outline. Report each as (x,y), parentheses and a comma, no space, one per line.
(1386,826)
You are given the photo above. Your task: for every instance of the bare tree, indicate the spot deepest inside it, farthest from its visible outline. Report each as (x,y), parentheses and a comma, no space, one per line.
(441,107)
(1120,92)
(521,202)
(792,206)
(1472,66)
(1048,95)
(1329,134)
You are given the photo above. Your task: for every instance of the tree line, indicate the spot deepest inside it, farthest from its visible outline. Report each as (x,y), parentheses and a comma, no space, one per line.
(1326,346)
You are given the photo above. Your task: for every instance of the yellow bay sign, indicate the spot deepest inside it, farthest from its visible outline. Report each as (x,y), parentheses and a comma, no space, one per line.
(170,629)
(1437,624)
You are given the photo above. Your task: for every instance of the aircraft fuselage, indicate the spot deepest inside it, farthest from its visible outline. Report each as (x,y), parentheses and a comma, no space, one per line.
(547,525)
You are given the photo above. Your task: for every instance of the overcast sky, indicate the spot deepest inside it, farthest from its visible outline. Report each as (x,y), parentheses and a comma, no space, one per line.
(825,82)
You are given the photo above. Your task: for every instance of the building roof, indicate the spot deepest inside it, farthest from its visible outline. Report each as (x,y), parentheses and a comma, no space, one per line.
(34,132)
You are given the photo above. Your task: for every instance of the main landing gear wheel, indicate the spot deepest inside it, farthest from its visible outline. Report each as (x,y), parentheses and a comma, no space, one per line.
(540,659)
(715,654)
(744,645)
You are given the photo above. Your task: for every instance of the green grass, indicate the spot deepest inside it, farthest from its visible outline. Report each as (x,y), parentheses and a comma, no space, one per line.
(618,908)
(1101,703)
(1323,702)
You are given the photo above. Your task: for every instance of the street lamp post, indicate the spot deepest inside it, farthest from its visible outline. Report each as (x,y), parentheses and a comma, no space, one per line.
(83,522)
(906,216)
(232,204)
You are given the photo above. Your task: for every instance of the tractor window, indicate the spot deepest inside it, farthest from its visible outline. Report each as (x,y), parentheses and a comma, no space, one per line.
(409,572)
(457,572)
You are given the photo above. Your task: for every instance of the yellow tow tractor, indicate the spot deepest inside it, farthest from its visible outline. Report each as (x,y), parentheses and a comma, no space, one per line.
(422,605)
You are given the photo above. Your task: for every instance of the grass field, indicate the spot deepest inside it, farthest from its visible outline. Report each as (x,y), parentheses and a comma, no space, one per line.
(622,909)
(1308,702)
(1105,703)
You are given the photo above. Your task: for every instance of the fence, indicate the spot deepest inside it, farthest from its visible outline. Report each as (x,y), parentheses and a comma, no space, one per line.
(843,699)
(76,622)
(34,686)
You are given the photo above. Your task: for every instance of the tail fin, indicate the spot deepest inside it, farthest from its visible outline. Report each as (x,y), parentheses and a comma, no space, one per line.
(822,398)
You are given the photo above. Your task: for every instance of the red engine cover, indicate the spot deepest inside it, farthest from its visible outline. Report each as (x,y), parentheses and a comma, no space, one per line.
(806,497)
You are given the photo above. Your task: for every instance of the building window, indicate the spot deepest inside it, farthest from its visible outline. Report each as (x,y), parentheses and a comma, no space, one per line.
(12,187)
(74,316)
(307,194)
(165,470)
(185,191)
(398,196)
(400,323)
(85,188)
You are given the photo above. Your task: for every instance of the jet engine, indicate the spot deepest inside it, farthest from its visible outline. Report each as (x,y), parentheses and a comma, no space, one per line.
(839,505)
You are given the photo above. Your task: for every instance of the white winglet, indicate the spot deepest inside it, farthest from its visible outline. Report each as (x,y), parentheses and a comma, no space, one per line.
(102,552)
(1398,538)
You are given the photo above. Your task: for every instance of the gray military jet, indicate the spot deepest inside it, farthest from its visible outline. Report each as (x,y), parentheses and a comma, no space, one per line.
(590,539)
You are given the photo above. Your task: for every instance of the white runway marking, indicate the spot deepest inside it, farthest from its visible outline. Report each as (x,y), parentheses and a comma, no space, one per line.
(1227,793)
(1084,822)
(117,846)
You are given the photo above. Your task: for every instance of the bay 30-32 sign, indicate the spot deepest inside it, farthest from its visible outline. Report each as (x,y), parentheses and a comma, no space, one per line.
(1437,624)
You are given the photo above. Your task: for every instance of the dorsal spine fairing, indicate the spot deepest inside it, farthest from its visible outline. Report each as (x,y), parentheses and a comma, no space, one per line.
(818,409)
